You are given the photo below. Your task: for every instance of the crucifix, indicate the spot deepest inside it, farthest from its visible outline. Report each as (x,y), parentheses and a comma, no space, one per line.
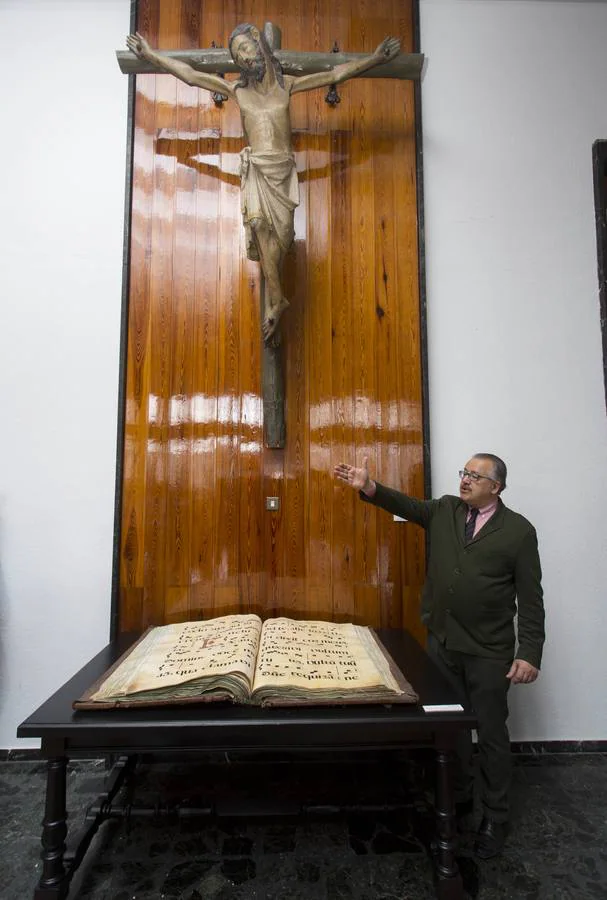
(269,186)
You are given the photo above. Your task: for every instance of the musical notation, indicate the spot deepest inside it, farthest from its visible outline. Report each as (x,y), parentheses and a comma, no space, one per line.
(309,652)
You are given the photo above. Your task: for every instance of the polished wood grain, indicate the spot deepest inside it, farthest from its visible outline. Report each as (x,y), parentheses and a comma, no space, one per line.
(196,537)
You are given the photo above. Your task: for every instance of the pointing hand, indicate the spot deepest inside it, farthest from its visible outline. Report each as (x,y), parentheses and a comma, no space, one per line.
(356,478)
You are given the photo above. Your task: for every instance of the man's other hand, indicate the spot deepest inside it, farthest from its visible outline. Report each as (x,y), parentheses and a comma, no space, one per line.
(522,672)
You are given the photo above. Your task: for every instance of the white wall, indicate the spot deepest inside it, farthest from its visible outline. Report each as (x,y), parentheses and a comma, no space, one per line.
(62,158)
(514,96)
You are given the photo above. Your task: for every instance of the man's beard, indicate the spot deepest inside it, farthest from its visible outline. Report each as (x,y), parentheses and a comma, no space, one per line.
(257,69)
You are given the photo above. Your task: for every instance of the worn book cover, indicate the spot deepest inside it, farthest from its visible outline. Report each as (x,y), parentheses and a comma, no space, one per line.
(279,662)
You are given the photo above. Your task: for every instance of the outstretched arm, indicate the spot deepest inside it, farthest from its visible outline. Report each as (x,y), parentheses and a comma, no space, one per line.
(140,47)
(395,502)
(387,50)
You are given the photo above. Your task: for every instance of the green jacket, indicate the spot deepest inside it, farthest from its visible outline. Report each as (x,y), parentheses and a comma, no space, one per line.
(472,593)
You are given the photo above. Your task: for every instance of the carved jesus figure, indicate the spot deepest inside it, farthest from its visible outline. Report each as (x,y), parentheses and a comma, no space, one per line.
(268,178)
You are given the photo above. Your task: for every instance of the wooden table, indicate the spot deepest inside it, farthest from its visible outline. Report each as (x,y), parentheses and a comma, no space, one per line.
(167,731)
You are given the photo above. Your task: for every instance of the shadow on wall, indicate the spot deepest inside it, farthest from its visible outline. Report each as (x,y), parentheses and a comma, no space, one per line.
(528,712)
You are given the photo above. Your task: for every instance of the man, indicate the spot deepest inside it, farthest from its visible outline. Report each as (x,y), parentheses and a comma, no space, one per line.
(269,187)
(483,568)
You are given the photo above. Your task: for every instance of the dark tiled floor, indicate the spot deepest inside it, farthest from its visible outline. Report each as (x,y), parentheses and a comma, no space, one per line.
(362,832)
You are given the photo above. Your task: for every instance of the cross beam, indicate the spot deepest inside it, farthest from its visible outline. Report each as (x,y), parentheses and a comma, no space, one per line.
(404,66)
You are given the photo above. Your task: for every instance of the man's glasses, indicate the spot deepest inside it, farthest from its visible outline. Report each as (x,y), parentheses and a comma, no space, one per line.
(473,476)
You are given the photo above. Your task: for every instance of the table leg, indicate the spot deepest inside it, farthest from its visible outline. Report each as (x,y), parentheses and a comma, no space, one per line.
(448,878)
(54,881)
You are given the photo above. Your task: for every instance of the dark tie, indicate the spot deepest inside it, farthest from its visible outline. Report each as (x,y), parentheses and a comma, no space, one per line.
(469,530)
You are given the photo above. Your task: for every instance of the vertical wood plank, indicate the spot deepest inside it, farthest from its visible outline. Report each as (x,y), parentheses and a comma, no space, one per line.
(179,508)
(205,328)
(295,350)
(366,137)
(227,457)
(319,330)
(161,309)
(342,292)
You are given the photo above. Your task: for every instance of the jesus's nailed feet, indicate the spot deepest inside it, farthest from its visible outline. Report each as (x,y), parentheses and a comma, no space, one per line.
(272,318)
(490,838)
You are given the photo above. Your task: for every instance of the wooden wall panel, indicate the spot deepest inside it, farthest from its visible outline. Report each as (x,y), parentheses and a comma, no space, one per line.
(196,538)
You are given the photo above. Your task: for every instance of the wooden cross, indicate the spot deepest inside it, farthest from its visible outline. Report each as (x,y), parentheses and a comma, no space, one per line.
(219,62)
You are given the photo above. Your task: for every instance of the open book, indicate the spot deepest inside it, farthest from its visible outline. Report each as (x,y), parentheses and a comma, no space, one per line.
(280,662)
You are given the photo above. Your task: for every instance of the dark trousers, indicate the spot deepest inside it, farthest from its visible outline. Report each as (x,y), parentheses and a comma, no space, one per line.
(483,684)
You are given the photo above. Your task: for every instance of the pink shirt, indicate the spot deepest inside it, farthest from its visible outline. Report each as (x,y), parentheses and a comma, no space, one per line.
(484,515)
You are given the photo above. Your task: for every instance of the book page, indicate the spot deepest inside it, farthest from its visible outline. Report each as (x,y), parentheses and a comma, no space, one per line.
(319,656)
(175,654)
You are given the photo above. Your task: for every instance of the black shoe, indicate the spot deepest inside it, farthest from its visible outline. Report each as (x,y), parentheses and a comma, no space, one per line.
(490,838)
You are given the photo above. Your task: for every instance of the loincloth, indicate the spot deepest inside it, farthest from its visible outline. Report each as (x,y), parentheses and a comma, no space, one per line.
(269,192)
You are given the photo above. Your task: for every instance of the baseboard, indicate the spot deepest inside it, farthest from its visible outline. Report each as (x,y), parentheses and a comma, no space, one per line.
(528,748)
(533,748)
